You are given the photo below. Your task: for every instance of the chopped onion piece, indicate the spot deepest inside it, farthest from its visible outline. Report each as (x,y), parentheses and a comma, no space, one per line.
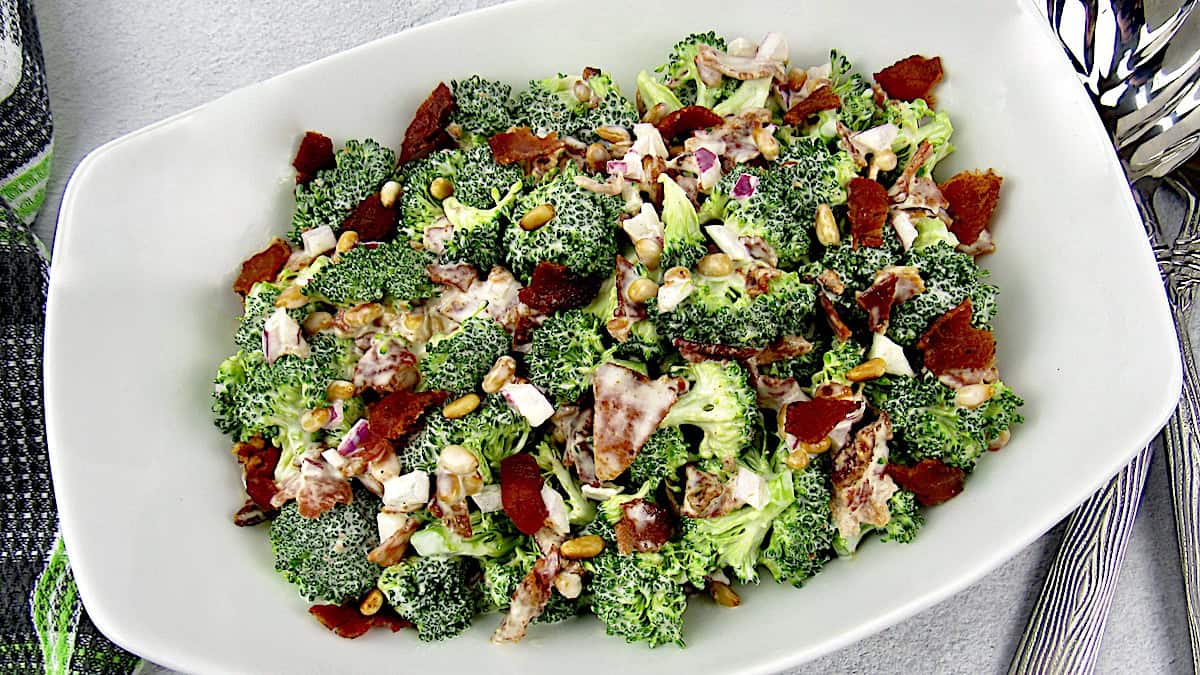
(408,492)
(745,186)
(750,488)
(895,362)
(318,240)
(727,241)
(354,438)
(488,499)
(281,335)
(648,141)
(529,401)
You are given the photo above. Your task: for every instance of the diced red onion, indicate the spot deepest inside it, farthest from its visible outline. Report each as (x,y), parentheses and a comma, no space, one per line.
(705,159)
(354,438)
(616,167)
(745,186)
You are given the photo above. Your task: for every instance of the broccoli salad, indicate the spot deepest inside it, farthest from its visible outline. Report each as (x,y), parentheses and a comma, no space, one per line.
(578,350)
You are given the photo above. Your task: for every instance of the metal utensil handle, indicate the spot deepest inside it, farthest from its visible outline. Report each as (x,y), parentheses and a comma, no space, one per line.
(1066,625)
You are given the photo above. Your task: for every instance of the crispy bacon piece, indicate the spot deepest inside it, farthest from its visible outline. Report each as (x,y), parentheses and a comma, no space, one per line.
(521,492)
(705,496)
(396,414)
(427,130)
(811,421)
(262,266)
(861,488)
(876,301)
(458,275)
(529,599)
(643,528)
(840,330)
(911,78)
(786,347)
(831,281)
(686,120)
(930,480)
(629,407)
(695,352)
(392,550)
(973,196)
(821,98)
(258,462)
(314,154)
(868,204)
(522,145)
(372,220)
(389,371)
(553,288)
(346,621)
(319,488)
(251,514)
(957,352)
(899,193)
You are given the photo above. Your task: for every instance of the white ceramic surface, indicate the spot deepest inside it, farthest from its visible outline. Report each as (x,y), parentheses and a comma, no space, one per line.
(154,225)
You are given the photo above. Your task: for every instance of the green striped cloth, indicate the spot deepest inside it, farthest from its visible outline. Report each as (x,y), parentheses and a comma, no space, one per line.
(43,627)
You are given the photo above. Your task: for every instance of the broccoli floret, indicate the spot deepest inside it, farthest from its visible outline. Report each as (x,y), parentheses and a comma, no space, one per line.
(367,273)
(680,78)
(950,277)
(769,213)
(475,237)
(635,600)
(492,432)
(480,182)
(581,235)
(602,527)
(252,397)
(564,352)
(492,536)
(721,403)
(643,344)
(418,208)
(802,536)
(928,425)
(931,231)
(482,108)
(811,174)
(457,362)
(837,361)
(917,122)
(436,594)
(580,509)
(362,167)
(259,306)
(905,518)
(792,303)
(660,458)
(733,540)
(858,110)
(552,104)
(683,242)
(802,367)
(326,557)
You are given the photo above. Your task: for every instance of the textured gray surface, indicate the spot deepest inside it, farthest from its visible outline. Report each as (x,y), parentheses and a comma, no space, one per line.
(115,66)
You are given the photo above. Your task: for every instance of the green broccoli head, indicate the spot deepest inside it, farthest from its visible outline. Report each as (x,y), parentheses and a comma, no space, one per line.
(492,536)
(482,108)
(950,277)
(802,536)
(858,110)
(326,557)
(419,209)
(362,167)
(635,600)
(492,432)
(683,242)
(475,237)
(906,518)
(564,352)
(368,273)
(768,213)
(917,123)
(791,302)
(811,174)
(457,362)
(837,361)
(581,235)
(721,402)
(436,594)
(610,109)
(928,425)
(802,367)
(259,306)
(553,104)
(660,458)
(680,77)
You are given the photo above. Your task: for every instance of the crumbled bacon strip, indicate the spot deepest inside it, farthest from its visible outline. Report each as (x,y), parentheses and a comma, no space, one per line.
(973,196)
(450,501)
(427,131)
(521,492)
(861,488)
(629,407)
(930,480)
(821,98)
(522,145)
(398,413)
(908,176)
(957,352)
(314,154)
(705,496)
(643,528)
(372,220)
(831,281)
(392,550)
(774,393)
(811,421)
(347,622)
(317,488)
(877,301)
(840,330)
(695,352)
(868,209)
(553,287)
(529,600)
(573,426)
(262,266)
(686,120)
(389,371)
(786,347)
(458,275)
(258,462)
(911,78)
(252,514)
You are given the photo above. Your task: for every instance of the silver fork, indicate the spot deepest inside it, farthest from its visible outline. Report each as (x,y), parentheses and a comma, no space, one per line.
(1155,125)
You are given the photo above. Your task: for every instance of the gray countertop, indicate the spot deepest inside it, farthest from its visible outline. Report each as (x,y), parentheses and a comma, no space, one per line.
(115,66)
